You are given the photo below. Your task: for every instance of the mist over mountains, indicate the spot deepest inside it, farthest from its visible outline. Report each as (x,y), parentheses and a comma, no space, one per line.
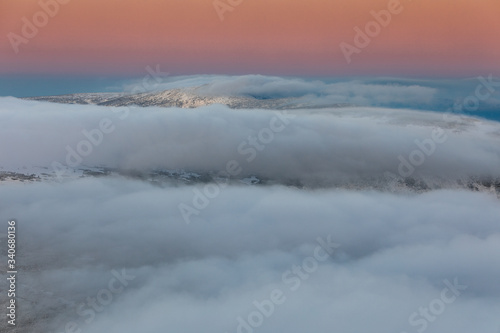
(254,204)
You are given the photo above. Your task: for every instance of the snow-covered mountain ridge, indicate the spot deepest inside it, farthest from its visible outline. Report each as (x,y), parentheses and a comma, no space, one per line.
(181,98)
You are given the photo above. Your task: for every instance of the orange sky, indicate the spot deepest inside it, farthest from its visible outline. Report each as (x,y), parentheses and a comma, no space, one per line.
(289,37)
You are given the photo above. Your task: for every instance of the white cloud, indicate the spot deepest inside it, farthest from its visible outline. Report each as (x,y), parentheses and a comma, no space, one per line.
(316,147)
(395,252)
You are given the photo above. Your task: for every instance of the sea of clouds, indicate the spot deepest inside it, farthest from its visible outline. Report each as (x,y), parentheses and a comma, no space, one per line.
(114,254)
(393,256)
(317,147)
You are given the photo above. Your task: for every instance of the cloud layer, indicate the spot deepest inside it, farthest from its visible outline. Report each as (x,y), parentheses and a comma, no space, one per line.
(395,254)
(115,254)
(322,147)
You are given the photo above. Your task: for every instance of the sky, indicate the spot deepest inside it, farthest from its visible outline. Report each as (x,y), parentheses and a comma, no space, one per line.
(446,38)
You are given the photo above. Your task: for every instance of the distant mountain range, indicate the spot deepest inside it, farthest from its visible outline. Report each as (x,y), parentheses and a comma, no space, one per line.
(182,98)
